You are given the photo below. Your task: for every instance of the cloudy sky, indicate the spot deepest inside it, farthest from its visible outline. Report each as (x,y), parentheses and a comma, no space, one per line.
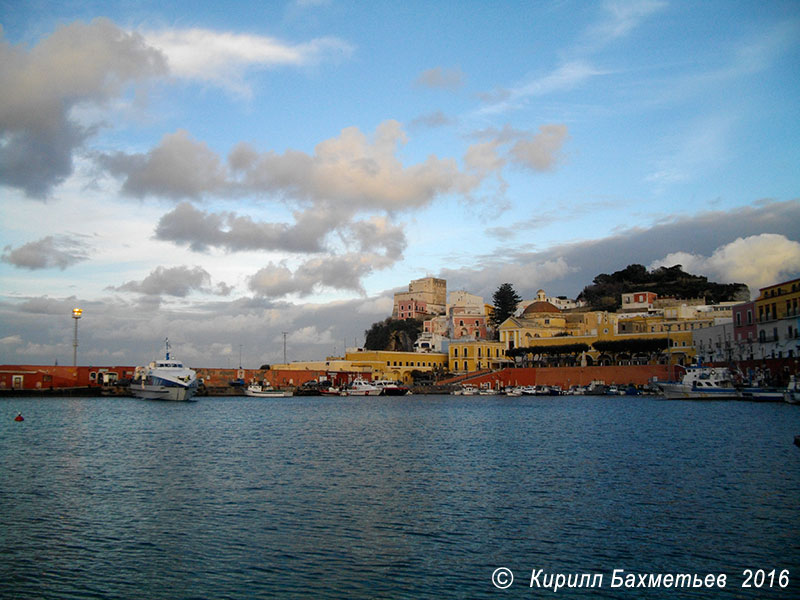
(222,173)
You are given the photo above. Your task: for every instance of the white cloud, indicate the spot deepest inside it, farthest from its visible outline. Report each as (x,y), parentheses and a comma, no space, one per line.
(756,261)
(622,17)
(222,58)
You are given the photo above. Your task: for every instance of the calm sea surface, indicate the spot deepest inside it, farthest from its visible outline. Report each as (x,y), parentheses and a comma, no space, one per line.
(413,497)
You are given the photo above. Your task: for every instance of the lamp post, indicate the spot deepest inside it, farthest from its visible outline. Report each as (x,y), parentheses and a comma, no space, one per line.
(76,314)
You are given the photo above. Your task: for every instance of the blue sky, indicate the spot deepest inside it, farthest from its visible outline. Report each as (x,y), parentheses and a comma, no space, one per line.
(220,173)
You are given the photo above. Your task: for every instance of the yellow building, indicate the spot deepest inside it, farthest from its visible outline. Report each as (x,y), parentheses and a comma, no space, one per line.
(777,310)
(396,366)
(543,325)
(466,356)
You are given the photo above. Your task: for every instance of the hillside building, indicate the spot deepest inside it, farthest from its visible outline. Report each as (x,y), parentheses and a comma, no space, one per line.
(425,297)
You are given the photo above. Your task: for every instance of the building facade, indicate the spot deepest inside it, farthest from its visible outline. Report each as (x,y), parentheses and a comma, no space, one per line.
(777,311)
(476,355)
(425,297)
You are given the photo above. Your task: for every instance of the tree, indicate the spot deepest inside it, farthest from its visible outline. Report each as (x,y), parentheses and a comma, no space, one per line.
(505,301)
(393,334)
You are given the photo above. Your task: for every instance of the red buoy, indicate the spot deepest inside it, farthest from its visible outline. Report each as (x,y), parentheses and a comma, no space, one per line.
(19,417)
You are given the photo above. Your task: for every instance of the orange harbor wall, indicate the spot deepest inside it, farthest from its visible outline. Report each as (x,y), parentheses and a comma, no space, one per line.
(565,377)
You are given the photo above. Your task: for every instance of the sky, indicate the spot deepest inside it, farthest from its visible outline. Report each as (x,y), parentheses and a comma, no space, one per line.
(237,175)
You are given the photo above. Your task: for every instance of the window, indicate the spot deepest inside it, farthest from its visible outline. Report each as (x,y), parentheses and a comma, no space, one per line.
(455,352)
(738,319)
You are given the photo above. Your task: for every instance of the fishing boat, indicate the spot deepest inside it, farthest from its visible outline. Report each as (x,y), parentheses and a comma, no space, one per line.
(164,379)
(702,383)
(264,390)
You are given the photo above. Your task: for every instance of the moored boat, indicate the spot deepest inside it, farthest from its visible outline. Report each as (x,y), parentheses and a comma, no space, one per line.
(164,379)
(792,392)
(701,383)
(762,394)
(255,390)
(361,387)
(390,388)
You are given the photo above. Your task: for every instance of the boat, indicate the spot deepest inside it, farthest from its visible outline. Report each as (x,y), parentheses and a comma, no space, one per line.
(256,390)
(465,390)
(792,392)
(390,388)
(360,387)
(702,383)
(762,394)
(164,379)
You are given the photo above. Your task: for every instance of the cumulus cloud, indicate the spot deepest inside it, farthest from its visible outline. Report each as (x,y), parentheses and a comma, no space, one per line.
(351,171)
(757,261)
(540,151)
(439,78)
(79,64)
(173,281)
(200,230)
(179,167)
(53,251)
(221,58)
(337,272)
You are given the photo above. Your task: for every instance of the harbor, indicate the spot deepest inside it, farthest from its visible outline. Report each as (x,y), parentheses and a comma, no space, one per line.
(393,497)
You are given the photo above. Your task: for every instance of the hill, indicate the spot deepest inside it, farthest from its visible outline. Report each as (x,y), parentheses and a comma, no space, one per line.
(605,293)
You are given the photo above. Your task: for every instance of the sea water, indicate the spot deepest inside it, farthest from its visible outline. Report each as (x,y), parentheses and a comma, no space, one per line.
(410,497)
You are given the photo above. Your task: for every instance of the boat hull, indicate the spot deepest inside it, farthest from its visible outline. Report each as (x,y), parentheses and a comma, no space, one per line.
(679,391)
(762,394)
(268,394)
(163,392)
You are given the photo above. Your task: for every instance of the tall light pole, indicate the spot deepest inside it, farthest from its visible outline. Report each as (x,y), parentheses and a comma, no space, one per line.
(76,314)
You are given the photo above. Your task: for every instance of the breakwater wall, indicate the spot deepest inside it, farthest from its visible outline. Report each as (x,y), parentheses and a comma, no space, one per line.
(638,375)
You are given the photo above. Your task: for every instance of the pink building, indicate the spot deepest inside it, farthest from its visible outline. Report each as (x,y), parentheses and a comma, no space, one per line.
(466,325)
(745,330)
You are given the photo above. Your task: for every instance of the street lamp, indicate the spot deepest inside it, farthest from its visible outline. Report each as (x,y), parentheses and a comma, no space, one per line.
(76,314)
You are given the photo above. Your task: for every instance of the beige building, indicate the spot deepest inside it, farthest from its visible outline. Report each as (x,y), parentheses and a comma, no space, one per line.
(425,297)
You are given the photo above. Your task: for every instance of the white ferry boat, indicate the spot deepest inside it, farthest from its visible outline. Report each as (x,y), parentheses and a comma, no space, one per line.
(164,379)
(702,383)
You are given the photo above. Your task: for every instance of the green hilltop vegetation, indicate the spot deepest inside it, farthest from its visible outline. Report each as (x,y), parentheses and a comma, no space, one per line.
(605,293)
